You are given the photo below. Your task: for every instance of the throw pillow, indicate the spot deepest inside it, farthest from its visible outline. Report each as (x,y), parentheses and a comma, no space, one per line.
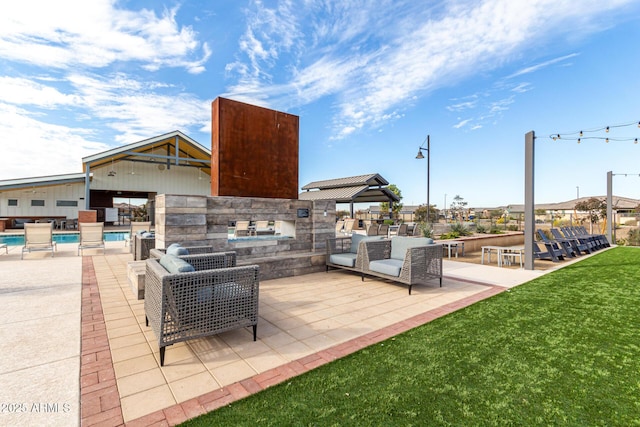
(177,250)
(174,265)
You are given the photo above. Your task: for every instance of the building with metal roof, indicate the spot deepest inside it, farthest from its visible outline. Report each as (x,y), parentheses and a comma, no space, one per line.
(171,163)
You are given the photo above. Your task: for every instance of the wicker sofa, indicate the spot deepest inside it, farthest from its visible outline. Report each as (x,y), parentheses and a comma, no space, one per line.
(346,252)
(213,297)
(408,260)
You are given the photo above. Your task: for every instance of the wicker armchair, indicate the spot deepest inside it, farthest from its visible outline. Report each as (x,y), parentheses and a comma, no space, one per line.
(407,260)
(207,301)
(141,246)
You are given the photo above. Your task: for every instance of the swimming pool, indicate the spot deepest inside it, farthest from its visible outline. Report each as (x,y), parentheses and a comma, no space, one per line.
(109,236)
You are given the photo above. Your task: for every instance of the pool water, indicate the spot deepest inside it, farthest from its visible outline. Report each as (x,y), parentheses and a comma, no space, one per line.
(109,236)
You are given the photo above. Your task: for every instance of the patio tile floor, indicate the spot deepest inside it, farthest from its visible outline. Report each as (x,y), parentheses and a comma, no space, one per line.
(305,321)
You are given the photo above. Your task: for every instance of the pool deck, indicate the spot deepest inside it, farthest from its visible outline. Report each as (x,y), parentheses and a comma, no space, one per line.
(77,352)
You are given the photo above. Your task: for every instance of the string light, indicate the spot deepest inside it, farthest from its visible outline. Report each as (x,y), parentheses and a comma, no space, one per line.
(579,136)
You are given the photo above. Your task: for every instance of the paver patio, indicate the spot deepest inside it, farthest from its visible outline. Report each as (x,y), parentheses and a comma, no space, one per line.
(305,321)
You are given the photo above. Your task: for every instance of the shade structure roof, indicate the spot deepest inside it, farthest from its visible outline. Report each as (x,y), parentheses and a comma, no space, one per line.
(355,189)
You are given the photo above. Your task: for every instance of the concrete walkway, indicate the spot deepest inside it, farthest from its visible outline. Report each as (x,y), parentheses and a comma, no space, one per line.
(40,345)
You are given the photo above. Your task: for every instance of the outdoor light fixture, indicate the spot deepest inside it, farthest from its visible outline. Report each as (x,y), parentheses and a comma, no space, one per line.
(421,156)
(111,172)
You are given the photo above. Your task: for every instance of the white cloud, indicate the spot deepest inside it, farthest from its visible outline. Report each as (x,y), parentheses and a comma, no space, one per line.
(50,34)
(461,123)
(542,65)
(132,108)
(372,58)
(34,148)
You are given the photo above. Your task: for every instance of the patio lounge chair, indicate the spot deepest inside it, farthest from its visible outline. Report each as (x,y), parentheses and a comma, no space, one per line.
(407,260)
(5,247)
(135,228)
(38,237)
(372,230)
(552,253)
(263,228)
(577,245)
(564,245)
(186,299)
(241,229)
(91,236)
(592,242)
(403,230)
(348,226)
(383,230)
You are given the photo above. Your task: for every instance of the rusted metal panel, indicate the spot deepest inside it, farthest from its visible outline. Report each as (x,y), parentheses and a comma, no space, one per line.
(254,151)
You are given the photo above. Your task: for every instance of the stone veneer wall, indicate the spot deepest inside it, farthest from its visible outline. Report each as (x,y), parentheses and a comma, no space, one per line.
(204,220)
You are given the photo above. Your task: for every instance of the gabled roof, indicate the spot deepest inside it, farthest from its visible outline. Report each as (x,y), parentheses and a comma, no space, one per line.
(41,181)
(171,148)
(355,189)
(369,180)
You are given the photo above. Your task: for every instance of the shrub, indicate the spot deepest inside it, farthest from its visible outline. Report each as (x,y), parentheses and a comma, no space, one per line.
(460,229)
(512,227)
(633,238)
(495,230)
(449,235)
(481,228)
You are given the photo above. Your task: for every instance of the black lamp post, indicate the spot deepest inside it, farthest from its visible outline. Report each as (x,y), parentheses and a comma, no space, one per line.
(421,156)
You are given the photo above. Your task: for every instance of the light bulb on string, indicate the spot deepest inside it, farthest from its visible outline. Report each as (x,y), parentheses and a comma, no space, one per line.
(580,133)
(578,140)
(606,140)
(607,129)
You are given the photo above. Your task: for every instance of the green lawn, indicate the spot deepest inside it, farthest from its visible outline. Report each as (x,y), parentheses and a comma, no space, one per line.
(563,349)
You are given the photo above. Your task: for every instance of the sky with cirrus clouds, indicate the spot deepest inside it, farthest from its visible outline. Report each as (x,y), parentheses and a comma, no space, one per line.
(369,80)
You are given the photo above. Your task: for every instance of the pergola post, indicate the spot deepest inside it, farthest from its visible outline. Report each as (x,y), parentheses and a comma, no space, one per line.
(529,203)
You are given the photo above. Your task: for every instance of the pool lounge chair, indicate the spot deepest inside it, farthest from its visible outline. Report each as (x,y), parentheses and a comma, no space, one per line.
(91,236)
(38,237)
(241,229)
(5,247)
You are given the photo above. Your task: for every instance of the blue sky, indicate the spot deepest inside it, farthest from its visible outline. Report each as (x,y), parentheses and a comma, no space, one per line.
(369,80)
